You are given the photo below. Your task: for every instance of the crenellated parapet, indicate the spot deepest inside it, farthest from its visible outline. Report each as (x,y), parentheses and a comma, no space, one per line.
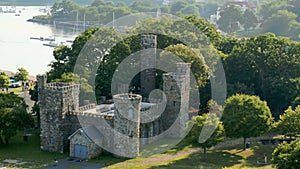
(87,107)
(65,87)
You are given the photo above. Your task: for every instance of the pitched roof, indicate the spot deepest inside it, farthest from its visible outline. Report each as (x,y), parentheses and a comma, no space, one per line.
(90,132)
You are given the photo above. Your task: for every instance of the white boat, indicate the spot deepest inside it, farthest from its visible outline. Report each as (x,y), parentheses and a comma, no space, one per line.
(43,39)
(52,44)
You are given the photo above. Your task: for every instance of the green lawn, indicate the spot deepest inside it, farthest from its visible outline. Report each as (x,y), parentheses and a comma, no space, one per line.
(28,152)
(226,155)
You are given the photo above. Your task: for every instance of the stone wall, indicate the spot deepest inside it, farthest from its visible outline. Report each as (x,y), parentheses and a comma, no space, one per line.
(56,101)
(80,139)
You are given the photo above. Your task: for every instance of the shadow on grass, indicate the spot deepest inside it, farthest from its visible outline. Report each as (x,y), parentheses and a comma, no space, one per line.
(214,159)
(258,157)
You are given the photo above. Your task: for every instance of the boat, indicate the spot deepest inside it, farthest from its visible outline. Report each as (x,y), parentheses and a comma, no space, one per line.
(49,39)
(43,39)
(52,44)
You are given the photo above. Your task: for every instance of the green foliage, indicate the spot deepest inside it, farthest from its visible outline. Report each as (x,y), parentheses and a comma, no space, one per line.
(281,18)
(280,23)
(22,74)
(4,80)
(209,122)
(249,19)
(198,66)
(246,116)
(289,123)
(86,90)
(13,116)
(266,66)
(286,156)
(230,19)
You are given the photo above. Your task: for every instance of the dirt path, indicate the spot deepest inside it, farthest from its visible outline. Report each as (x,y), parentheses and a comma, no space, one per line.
(27,99)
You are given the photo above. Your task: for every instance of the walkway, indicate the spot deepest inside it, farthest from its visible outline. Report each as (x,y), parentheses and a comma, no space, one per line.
(67,163)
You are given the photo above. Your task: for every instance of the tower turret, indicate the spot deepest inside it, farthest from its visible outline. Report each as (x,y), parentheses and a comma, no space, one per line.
(177,90)
(148,62)
(127,124)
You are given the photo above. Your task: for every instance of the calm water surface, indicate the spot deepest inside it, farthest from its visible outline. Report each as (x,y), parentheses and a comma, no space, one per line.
(18,50)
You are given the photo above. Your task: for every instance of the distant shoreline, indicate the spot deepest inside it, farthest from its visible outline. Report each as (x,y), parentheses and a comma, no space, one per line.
(11,73)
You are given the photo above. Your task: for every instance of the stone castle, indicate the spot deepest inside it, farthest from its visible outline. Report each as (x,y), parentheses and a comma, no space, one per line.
(61,117)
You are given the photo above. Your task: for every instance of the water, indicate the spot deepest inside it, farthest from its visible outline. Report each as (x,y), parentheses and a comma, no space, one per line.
(18,50)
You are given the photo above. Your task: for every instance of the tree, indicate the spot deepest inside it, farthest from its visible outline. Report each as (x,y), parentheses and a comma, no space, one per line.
(279,23)
(286,156)
(250,19)
(198,66)
(13,116)
(246,116)
(64,9)
(21,75)
(267,66)
(4,80)
(230,19)
(177,6)
(209,121)
(289,123)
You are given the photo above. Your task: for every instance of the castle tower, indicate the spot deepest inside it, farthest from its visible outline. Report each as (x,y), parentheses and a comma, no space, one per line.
(177,90)
(148,62)
(127,124)
(56,101)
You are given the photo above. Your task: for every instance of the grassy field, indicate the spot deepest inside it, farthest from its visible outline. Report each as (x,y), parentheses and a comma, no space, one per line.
(28,152)
(226,155)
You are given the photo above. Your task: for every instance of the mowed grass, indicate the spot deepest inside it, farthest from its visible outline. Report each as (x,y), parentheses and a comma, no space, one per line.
(28,152)
(227,155)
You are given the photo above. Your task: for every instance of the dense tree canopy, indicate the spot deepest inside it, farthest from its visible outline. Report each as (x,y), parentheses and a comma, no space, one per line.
(230,19)
(246,116)
(267,66)
(289,123)
(13,116)
(286,156)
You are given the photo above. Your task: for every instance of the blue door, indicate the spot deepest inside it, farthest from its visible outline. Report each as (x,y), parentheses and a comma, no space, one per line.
(80,151)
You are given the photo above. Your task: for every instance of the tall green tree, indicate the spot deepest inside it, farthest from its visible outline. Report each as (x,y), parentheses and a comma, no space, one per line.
(13,116)
(249,19)
(210,122)
(22,74)
(266,65)
(246,116)
(4,80)
(230,19)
